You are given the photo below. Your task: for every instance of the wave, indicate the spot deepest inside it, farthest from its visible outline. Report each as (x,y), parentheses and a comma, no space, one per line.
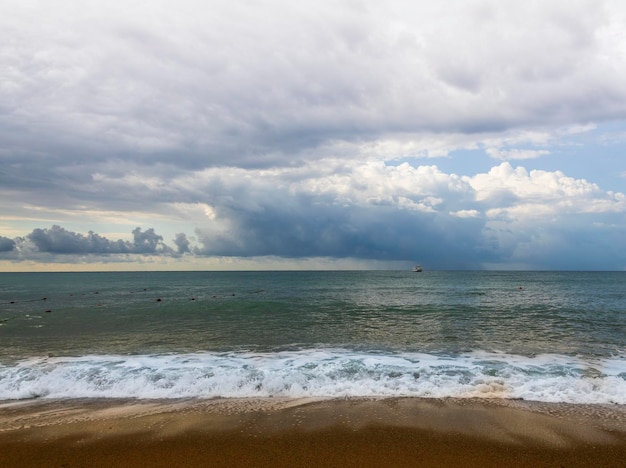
(319,373)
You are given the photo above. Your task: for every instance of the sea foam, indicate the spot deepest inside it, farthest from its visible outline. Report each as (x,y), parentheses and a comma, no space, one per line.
(318,373)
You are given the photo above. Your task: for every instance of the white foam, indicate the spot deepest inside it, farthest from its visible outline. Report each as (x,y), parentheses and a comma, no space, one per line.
(318,373)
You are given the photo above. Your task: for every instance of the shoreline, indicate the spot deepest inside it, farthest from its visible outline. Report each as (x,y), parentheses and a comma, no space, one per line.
(310,432)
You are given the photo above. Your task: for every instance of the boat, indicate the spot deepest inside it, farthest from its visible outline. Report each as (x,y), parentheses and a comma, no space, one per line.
(417,269)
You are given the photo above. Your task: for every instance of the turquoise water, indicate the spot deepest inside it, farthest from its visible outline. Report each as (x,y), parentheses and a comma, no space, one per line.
(554,336)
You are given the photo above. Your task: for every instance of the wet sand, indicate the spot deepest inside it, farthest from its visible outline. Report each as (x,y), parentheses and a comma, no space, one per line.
(311,433)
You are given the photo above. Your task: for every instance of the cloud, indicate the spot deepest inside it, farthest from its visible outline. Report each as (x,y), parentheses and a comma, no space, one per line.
(465,213)
(344,221)
(363,211)
(521,193)
(323,231)
(372,211)
(6,244)
(567,241)
(263,84)
(182,243)
(149,242)
(507,155)
(297,129)
(57,240)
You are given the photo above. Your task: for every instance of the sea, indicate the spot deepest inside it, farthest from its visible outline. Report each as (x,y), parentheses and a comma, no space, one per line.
(536,336)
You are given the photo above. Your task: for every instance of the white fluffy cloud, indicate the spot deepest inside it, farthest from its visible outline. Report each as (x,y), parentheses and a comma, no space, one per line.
(537,193)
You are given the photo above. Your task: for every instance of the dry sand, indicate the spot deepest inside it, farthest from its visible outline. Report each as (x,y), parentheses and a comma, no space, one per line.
(310,433)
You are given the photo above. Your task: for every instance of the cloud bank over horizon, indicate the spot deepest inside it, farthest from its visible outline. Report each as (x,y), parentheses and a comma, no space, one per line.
(508,216)
(471,134)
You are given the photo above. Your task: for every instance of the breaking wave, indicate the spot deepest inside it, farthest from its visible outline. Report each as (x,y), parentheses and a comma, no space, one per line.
(318,373)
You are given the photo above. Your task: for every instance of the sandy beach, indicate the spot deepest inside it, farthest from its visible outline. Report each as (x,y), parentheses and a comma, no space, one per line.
(287,432)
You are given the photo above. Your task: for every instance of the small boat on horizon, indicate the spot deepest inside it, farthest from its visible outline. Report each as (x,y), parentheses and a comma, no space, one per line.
(417,269)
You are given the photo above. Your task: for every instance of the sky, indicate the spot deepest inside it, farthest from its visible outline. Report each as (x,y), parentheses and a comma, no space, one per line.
(345,134)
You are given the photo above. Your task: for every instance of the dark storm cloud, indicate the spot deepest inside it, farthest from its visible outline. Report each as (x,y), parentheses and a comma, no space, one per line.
(182,243)
(6,244)
(58,240)
(570,242)
(148,242)
(365,233)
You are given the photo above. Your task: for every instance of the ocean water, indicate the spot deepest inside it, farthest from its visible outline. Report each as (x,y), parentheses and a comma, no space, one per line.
(543,336)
